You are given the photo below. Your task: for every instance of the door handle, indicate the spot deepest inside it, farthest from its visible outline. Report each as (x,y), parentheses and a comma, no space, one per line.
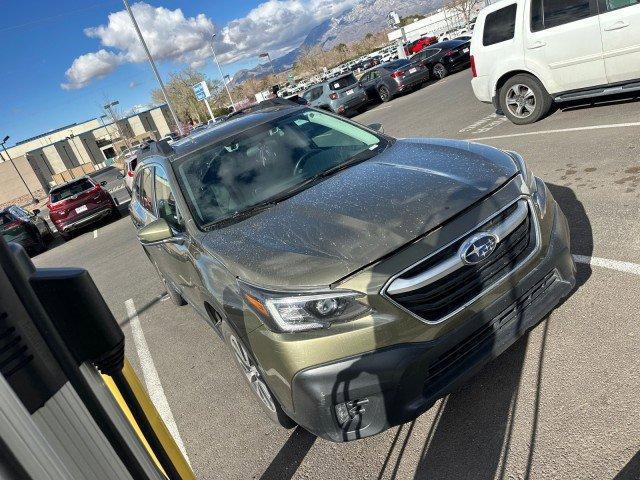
(616,26)
(536,44)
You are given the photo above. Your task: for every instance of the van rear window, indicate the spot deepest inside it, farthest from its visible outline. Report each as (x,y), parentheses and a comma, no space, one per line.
(500,26)
(551,13)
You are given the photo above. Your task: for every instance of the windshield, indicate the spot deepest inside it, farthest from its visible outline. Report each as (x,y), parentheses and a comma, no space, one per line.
(70,190)
(268,161)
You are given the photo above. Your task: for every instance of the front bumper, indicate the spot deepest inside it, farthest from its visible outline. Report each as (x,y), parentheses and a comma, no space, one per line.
(92,216)
(396,384)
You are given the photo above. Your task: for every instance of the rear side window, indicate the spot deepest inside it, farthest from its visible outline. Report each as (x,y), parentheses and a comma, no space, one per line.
(499,26)
(70,190)
(611,5)
(551,13)
(145,189)
(344,82)
(6,218)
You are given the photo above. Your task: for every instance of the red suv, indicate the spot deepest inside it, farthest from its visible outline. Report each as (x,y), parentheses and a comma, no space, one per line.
(79,203)
(418,45)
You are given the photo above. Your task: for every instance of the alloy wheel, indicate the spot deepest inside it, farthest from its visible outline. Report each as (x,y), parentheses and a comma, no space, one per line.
(520,100)
(439,71)
(251,372)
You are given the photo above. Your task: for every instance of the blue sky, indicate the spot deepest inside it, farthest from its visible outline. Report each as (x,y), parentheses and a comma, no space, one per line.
(42,38)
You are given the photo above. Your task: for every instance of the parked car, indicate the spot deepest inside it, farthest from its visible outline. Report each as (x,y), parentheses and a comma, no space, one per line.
(444,58)
(390,79)
(417,45)
(79,203)
(342,95)
(529,54)
(356,277)
(28,229)
(129,160)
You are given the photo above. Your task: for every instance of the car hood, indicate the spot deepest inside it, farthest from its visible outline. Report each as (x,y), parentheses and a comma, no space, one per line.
(361,214)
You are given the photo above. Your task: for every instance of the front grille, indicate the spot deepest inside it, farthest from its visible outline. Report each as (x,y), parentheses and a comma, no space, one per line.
(442,297)
(448,363)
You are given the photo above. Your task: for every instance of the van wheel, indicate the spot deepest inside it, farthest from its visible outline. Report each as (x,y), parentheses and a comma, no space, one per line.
(258,386)
(384,93)
(523,99)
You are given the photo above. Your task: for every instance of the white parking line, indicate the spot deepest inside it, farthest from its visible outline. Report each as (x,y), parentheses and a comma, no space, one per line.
(151,377)
(626,267)
(95,233)
(560,130)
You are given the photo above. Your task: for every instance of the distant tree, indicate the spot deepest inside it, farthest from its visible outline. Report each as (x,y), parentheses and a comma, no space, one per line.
(465,8)
(404,21)
(180,91)
(341,47)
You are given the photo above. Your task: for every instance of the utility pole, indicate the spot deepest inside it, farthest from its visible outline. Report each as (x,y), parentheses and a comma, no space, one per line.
(153,66)
(222,75)
(35,200)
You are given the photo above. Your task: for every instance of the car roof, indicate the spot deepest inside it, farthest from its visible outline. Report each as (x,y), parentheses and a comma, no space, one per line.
(220,131)
(448,44)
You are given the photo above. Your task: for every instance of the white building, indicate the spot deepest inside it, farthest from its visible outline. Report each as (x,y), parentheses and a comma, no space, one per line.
(438,23)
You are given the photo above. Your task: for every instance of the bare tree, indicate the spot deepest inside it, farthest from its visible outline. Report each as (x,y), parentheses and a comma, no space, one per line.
(180,91)
(466,8)
(115,114)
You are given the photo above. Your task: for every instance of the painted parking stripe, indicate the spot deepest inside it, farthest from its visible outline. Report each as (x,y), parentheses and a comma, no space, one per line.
(560,130)
(626,267)
(151,377)
(95,233)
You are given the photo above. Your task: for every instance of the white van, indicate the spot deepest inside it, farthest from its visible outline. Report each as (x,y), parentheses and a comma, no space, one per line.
(527,54)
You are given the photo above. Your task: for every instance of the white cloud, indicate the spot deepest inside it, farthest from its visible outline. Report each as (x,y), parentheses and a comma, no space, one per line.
(275,26)
(89,66)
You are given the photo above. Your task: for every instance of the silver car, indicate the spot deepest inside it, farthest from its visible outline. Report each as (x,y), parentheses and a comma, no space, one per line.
(343,95)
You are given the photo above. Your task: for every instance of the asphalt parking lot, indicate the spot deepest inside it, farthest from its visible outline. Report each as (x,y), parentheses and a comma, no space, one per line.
(563,402)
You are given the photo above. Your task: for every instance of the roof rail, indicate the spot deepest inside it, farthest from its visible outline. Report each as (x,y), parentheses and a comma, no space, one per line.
(159,147)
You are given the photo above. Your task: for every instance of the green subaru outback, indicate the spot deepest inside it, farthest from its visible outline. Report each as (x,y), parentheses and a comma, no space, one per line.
(357,278)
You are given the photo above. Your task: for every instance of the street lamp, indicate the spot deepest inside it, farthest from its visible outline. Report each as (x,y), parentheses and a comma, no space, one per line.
(222,75)
(35,200)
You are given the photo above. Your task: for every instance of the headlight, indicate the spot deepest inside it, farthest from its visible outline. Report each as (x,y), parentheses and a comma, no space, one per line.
(287,312)
(535,187)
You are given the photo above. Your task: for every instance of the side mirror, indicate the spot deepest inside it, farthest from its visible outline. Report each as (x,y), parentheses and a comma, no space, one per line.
(377,127)
(36,211)
(103,183)
(158,232)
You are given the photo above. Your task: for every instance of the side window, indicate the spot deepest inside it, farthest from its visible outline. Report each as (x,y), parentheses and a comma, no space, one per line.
(317,93)
(611,5)
(500,26)
(165,201)
(551,13)
(18,212)
(375,74)
(366,77)
(145,189)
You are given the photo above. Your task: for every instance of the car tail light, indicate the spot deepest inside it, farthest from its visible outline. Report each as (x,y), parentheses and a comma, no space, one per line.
(333,96)
(12,225)
(397,74)
(450,53)
(474,73)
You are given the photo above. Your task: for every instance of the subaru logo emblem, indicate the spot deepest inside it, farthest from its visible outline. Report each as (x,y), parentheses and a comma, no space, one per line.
(477,248)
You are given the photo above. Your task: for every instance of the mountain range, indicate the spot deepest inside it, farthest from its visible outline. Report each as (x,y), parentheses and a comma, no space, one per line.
(366,16)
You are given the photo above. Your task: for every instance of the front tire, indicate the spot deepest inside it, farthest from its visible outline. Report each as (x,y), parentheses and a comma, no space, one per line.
(523,99)
(268,402)
(384,93)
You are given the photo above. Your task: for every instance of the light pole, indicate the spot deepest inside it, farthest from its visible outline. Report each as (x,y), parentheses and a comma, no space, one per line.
(222,75)
(153,66)
(35,200)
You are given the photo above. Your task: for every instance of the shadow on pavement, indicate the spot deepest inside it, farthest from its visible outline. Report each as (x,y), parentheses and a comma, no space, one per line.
(139,311)
(475,422)
(631,470)
(580,227)
(286,462)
